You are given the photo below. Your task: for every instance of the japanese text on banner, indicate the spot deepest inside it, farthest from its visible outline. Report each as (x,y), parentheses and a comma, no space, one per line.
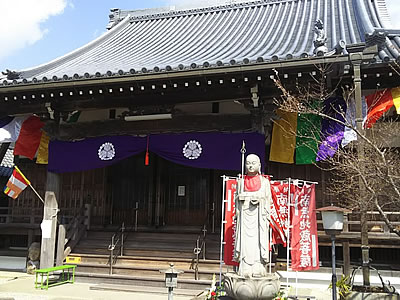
(304,237)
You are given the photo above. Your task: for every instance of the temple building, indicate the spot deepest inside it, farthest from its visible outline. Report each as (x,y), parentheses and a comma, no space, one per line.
(144,120)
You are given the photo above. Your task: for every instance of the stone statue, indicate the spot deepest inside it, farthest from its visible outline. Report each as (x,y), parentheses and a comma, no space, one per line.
(252,205)
(252,226)
(320,47)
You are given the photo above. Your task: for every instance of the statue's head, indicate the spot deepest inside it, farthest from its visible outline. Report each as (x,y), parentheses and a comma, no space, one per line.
(319,24)
(253,164)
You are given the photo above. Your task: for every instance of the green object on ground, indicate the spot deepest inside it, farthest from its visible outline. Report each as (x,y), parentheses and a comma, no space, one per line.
(67,275)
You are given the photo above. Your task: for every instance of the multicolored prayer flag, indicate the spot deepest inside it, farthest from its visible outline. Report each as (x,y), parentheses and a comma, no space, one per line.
(16,184)
(10,128)
(307,138)
(43,151)
(379,103)
(24,131)
(29,137)
(283,140)
(332,132)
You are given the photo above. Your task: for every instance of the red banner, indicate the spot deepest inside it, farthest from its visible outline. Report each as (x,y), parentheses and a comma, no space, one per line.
(279,190)
(304,237)
(230,225)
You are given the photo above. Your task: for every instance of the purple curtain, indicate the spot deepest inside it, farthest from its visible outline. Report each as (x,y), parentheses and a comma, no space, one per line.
(92,153)
(207,150)
(199,150)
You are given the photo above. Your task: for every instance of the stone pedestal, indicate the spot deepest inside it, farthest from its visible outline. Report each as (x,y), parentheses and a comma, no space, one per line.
(254,288)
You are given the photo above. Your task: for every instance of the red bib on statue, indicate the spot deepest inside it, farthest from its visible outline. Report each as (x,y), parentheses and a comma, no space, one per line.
(252,183)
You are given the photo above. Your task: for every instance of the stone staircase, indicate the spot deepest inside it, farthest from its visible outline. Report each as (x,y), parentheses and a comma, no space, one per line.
(145,254)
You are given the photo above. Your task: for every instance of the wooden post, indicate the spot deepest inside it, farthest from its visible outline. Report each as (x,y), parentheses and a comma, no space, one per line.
(346,248)
(48,227)
(60,245)
(357,59)
(157,211)
(47,250)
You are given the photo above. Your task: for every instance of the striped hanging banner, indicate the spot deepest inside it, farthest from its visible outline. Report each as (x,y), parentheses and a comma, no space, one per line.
(16,184)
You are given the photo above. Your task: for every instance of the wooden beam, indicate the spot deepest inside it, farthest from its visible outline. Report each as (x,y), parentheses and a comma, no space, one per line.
(126,100)
(207,122)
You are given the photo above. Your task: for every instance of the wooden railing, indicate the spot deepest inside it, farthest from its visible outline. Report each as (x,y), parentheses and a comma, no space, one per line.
(378,230)
(30,215)
(70,234)
(379,235)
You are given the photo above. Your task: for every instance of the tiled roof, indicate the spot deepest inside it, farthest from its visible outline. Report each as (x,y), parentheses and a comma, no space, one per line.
(8,160)
(7,164)
(235,34)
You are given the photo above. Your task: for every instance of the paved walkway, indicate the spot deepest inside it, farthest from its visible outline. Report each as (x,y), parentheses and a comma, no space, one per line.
(20,286)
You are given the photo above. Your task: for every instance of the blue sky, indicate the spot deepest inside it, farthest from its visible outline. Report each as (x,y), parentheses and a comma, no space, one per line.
(47,29)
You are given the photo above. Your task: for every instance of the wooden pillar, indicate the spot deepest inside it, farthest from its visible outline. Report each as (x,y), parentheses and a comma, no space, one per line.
(346,248)
(48,227)
(60,245)
(154,162)
(157,211)
(356,59)
(49,223)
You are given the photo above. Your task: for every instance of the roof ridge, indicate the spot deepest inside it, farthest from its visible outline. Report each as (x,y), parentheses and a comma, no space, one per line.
(200,10)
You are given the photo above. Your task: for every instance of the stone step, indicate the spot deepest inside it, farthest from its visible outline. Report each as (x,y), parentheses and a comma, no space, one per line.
(136,252)
(151,229)
(145,261)
(153,235)
(193,294)
(151,252)
(146,243)
(183,283)
(149,271)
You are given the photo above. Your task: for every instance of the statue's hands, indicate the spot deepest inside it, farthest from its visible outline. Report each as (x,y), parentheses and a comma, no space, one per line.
(254,201)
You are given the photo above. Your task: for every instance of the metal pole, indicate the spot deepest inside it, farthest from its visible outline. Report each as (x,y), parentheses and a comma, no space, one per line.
(270,250)
(222,227)
(196,271)
(213,218)
(288,234)
(122,238)
(203,245)
(136,214)
(111,254)
(170,293)
(334,297)
(243,151)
